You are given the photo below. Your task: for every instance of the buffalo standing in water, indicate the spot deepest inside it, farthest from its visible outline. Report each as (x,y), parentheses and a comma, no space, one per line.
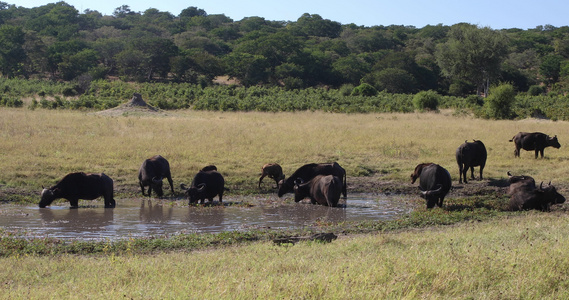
(309,171)
(470,155)
(152,172)
(435,183)
(75,186)
(525,195)
(534,141)
(322,189)
(206,185)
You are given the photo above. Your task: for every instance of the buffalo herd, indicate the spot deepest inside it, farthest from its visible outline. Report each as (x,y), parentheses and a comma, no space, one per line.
(322,183)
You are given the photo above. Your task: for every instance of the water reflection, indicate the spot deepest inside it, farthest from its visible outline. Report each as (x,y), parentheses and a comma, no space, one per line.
(141,218)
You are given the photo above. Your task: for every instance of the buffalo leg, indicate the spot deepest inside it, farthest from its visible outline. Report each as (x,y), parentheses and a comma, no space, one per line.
(440,202)
(74,203)
(472,173)
(142,188)
(261,179)
(171,184)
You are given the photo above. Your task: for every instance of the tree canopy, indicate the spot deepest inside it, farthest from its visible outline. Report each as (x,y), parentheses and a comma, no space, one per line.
(57,41)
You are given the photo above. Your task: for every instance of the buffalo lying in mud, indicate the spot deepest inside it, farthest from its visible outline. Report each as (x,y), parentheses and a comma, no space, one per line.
(206,185)
(152,172)
(322,189)
(309,171)
(533,141)
(525,195)
(470,155)
(273,171)
(75,186)
(435,183)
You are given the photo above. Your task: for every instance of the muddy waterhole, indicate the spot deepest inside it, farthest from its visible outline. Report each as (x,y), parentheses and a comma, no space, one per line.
(140,217)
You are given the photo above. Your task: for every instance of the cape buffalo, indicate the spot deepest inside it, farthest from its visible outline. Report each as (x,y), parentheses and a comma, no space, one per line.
(152,172)
(470,155)
(533,141)
(322,189)
(525,195)
(206,185)
(435,183)
(309,171)
(75,186)
(273,171)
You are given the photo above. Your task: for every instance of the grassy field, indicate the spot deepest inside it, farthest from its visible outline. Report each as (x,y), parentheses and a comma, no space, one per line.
(40,147)
(522,255)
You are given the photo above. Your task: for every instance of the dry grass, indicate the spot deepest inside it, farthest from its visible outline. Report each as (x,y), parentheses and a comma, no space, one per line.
(39,147)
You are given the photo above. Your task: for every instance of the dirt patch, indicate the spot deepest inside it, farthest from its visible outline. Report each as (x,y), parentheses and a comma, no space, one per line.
(136,106)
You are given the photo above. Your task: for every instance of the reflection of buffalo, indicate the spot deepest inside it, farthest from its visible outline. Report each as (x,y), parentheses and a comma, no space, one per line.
(533,141)
(435,183)
(524,194)
(309,171)
(470,155)
(78,220)
(151,174)
(273,171)
(322,189)
(206,185)
(154,213)
(75,186)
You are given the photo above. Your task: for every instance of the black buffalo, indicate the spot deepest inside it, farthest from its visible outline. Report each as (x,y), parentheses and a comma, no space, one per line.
(209,168)
(525,195)
(533,141)
(322,189)
(273,171)
(435,183)
(206,185)
(470,155)
(152,172)
(309,171)
(75,186)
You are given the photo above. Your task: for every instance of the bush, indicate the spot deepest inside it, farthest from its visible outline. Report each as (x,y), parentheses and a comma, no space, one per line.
(364,89)
(426,100)
(536,90)
(498,105)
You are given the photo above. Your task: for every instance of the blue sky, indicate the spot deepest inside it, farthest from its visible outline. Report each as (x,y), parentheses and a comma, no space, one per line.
(497,14)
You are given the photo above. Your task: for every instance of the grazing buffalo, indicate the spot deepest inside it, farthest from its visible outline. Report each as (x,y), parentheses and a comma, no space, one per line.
(322,189)
(75,186)
(273,171)
(470,155)
(525,195)
(152,172)
(435,183)
(206,185)
(309,171)
(533,141)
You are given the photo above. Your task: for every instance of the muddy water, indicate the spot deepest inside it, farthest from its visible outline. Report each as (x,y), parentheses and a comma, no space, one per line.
(143,218)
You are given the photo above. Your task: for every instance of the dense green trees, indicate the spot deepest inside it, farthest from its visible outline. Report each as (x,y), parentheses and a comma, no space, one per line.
(58,42)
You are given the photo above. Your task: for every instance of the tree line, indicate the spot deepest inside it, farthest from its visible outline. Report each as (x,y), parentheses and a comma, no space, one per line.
(56,41)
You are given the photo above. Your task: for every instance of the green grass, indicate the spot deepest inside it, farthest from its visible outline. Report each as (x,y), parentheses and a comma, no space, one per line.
(523,256)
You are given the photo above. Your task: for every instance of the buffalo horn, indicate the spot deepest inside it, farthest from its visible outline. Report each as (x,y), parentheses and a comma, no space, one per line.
(201,187)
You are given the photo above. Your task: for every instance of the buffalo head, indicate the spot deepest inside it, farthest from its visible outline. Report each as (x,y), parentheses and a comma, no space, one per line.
(47,196)
(553,142)
(194,193)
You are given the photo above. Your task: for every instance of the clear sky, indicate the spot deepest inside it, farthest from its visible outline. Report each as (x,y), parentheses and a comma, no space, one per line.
(497,14)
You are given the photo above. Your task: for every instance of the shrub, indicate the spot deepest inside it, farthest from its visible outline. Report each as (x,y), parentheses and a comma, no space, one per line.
(364,89)
(498,105)
(426,100)
(536,90)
